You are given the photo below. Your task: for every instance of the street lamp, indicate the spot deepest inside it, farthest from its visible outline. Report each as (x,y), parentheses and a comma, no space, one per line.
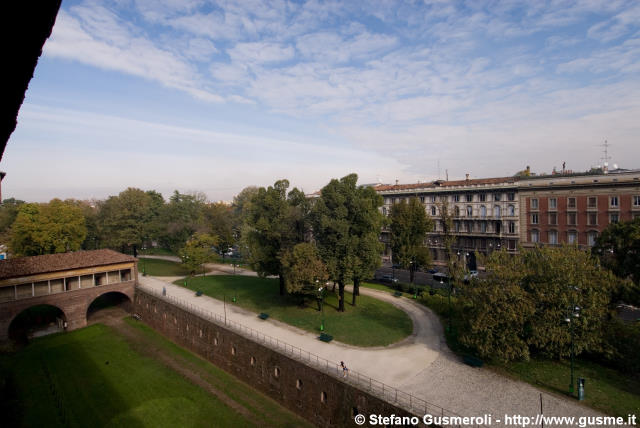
(321,297)
(449,298)
(573,313)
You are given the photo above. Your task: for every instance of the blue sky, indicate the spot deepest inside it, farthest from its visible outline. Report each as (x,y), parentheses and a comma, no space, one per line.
(209,96)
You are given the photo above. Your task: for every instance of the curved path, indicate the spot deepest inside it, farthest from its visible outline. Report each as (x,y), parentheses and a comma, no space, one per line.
(421,364)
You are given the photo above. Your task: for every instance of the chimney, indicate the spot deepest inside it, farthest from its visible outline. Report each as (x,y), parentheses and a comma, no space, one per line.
(467,177)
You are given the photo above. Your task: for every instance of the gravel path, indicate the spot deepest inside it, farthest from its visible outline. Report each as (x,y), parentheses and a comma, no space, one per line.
(421,364)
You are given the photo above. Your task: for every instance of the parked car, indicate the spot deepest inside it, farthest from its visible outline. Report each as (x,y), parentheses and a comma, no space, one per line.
(389,279)
(433,270)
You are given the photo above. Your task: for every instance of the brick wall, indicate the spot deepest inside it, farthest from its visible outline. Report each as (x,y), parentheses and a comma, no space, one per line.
(318,397)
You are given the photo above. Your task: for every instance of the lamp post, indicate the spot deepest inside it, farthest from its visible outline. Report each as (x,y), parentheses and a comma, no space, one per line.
(321,297)
(573,313)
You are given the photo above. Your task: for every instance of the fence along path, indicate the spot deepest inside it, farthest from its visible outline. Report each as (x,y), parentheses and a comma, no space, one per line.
(409,402)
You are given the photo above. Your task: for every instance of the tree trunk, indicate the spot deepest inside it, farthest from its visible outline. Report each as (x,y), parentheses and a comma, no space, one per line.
(334,287)
(135,250)
(282,287)
(340,296)
(356,290)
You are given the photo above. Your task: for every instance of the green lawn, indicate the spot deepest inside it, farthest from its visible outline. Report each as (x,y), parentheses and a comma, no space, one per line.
(94,377)
(157,252)
(159,267)
(370,323)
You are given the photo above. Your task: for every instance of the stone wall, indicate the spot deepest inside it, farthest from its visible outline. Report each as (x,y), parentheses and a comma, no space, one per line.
(324,400)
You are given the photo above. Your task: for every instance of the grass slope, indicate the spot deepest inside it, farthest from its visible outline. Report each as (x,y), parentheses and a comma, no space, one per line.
(93,377)
(370,323)
(159,267)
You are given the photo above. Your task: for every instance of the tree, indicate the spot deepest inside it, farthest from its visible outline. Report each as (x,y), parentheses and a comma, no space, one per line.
(618,248)
(409,227)
(303,269)
(198,250)
(498,310)
(219,219)
(8,213)
(271,228)
(182,217)
(124,220)
(56,227)
(345,220)
(454,265)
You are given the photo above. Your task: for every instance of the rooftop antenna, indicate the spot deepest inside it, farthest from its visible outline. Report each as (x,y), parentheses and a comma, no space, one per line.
(606,158)
(439,170)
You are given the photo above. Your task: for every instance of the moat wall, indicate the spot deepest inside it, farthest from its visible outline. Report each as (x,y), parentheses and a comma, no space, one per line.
(320,398)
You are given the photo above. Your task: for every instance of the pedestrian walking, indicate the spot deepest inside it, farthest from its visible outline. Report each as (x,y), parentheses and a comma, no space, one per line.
(345,370)
(164,291)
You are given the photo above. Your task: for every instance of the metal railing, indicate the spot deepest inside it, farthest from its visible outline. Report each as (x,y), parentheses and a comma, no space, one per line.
(409,402)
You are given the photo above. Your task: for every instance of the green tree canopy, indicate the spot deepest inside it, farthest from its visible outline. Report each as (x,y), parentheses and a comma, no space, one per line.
(182,217)
(271,227)
(618,247)
(346,225)
(220,220)
(56,227)
(409,227)
(303,268)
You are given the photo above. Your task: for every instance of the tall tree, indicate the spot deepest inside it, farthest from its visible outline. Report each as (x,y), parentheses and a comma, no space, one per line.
(219,219)
(409,227)
(303,269)
(182,217)
(454,265)
(346,226)
(56,227)
(8,214)
(271,228)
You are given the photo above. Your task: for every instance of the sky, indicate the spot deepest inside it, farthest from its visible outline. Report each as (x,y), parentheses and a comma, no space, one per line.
(214,96)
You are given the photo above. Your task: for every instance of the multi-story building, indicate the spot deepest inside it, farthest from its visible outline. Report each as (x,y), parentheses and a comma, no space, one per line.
(513,212)
(575,209)
(485,214)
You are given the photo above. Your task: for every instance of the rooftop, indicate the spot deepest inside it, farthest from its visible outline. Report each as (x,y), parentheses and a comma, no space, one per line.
(442,183)
(24,266)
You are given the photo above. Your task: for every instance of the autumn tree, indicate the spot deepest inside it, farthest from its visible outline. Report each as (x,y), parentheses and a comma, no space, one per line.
(409,227)
(303,269)
(56,227)
(198,250)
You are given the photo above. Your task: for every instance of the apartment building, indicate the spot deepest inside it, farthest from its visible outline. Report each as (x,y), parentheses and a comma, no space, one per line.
(575,209)
(485,214)
(520,212)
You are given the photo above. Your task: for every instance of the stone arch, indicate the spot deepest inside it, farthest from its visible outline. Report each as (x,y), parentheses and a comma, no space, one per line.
(35,320)
(119,300)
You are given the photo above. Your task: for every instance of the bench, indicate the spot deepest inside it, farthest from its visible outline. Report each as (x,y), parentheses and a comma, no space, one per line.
(325,337)
(472,361)
(198,293)
(263,316)
(397,294)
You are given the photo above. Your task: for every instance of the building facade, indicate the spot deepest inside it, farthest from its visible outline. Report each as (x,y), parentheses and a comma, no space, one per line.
(519,212)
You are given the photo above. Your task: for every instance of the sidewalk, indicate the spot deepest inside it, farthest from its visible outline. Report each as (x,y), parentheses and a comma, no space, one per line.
(420,364)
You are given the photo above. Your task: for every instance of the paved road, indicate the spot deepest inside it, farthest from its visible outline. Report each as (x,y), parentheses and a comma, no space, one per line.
(420,364)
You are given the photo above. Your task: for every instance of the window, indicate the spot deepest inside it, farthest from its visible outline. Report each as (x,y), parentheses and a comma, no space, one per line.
(553,203)
(384,210)
(571,203)
(496,211)
(511,210)
(572,237)
(422,199)
(636,201)
(511,244)
(457,226)
(387,201)
(534,218)
(592,202)
(433,210)
(553,237)
(613,201)
(512,227)
(571,219)
(443,198)
(614,218)
(483,227)
(534,203)
(469,198)
(497,196)
(535,236)
(469,211)
(469,226)
(483,211)
(456,211)
(553,218)
(591,238)
(434,198)
(592,219)
(511,196)
(456,198)
(483,197)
